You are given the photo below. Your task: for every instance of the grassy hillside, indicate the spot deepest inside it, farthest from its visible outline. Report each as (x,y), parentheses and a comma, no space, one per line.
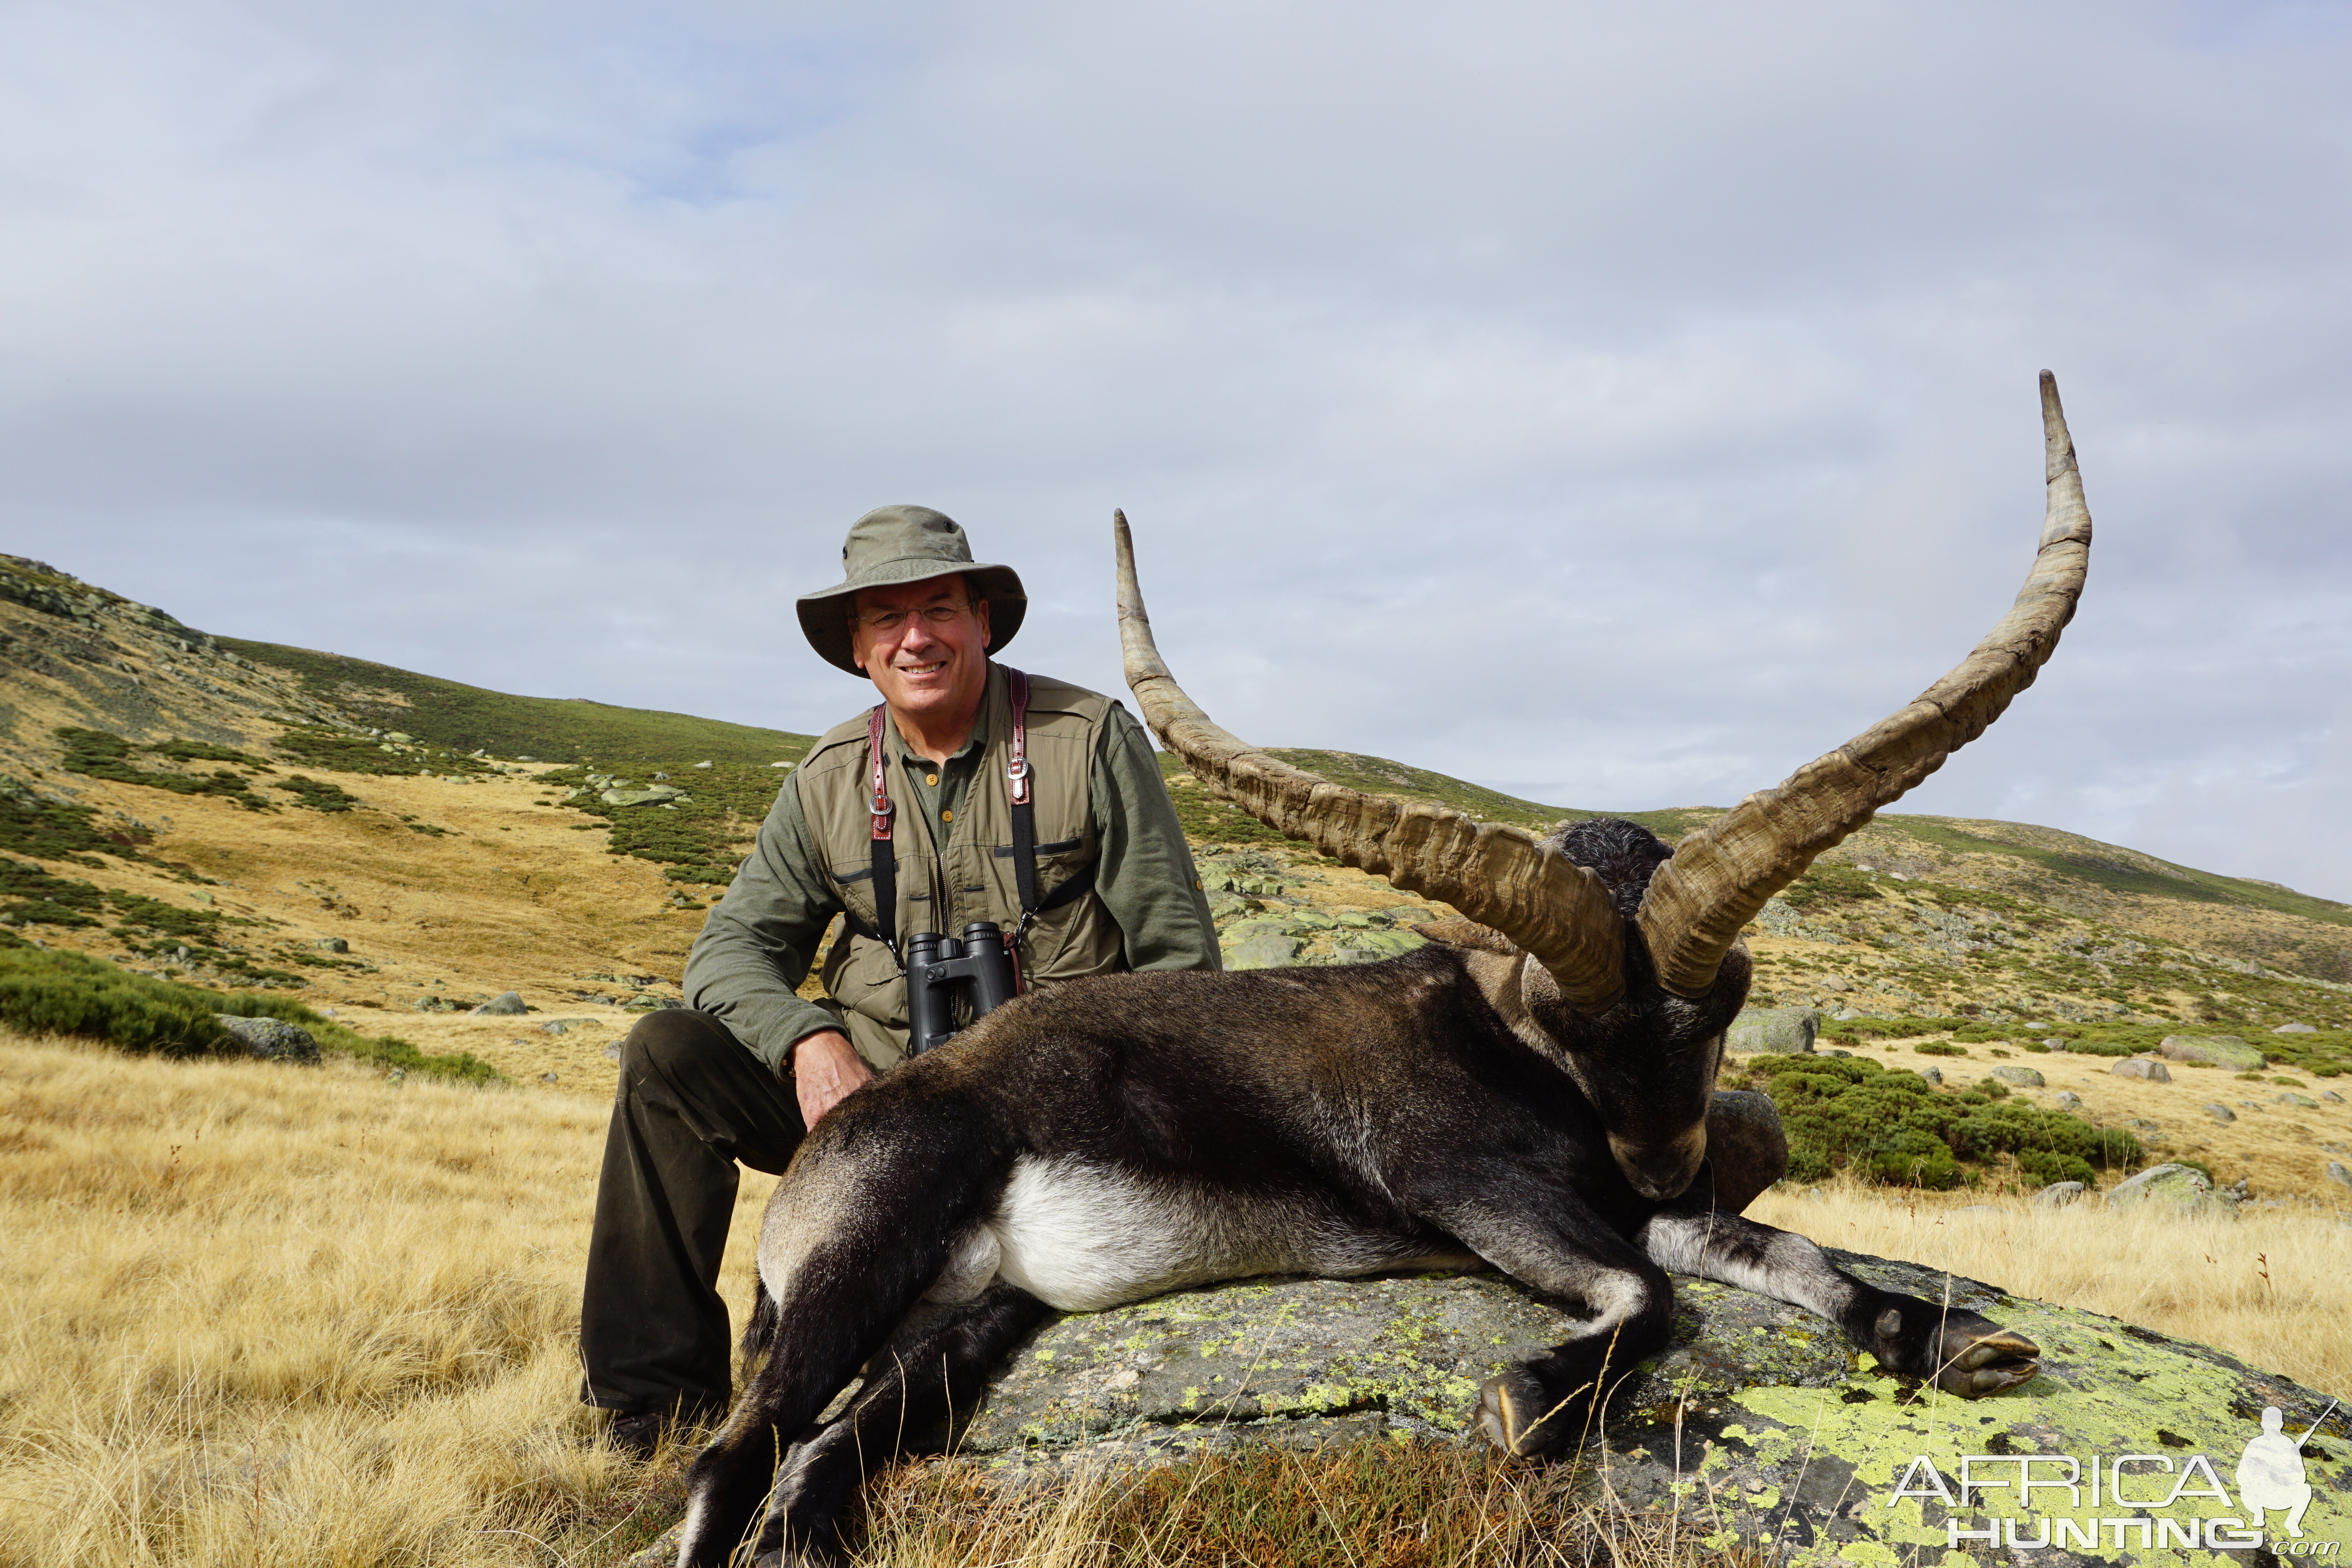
(370,1356)
(550,729)
(242,816)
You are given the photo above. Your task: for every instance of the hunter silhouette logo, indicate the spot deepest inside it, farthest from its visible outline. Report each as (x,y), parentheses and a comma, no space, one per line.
(2133,1498)
(2270,1472)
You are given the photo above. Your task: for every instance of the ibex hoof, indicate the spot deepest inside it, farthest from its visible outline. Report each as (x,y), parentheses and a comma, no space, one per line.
(1519,1416)
(1981,1358)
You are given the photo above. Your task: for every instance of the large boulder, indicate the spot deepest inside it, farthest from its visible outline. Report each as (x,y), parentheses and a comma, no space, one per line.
(270,1040)
(1761,1423)
(1774,1031)
(2222,1050)
(2181,1187)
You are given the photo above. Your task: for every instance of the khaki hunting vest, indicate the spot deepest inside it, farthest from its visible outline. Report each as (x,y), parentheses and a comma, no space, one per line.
(973,878)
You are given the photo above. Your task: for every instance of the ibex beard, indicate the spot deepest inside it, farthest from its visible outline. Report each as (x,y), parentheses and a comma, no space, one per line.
(1531,1091)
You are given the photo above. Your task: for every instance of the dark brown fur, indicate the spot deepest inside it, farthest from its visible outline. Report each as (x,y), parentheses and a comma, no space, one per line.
(1439,1106)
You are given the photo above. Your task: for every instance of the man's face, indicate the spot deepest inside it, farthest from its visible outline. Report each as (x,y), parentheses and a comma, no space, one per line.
(925,646)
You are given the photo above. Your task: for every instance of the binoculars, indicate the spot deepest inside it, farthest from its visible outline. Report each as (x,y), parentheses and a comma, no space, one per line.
(938,966)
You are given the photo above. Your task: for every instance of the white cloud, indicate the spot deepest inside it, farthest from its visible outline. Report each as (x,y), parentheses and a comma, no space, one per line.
(1640,401)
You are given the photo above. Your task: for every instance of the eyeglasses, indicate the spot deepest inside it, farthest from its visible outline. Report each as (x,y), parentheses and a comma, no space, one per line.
(887,621)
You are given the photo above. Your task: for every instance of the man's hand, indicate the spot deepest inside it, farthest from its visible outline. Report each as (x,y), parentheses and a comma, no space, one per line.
(824,1068)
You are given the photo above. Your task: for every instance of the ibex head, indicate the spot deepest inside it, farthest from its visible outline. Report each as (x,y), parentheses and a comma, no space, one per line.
(1631,964)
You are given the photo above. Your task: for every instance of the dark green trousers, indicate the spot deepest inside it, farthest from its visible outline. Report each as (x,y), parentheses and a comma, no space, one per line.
(692,1104)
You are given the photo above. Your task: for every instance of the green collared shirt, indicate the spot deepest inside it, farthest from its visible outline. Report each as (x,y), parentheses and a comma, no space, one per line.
(758,944)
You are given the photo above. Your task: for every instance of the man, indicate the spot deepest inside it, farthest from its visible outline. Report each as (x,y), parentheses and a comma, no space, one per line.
(1078,852)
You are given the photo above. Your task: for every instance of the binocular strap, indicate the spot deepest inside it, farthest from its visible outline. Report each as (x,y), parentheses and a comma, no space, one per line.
(884,813)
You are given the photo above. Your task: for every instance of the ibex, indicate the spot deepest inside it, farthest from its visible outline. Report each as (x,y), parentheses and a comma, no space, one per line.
(1531,1092)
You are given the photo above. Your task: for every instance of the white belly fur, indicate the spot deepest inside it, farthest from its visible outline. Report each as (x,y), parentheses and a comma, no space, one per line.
(1082,1237)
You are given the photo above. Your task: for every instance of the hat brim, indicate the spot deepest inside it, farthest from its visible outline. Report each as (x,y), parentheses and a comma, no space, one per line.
(825,616)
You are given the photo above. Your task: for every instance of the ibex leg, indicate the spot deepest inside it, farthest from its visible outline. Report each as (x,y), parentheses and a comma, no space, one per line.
(1961,1353)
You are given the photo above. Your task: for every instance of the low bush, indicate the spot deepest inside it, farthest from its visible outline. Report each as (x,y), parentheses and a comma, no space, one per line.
(67,994)
(95,753)
(71,993)
(55,830)
(1830,883)
(317,794)
(1890,1126)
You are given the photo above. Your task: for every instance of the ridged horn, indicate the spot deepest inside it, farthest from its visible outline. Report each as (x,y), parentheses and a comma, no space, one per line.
(1723,873)
(1497,875)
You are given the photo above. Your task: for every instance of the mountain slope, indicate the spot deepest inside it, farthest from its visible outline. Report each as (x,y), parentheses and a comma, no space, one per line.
(241,814)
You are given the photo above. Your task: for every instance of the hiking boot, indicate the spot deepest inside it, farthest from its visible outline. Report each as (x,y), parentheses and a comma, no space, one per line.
(638,1433)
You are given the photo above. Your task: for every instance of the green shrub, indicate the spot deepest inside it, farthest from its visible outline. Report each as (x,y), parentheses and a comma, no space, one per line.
(202,752)
(69,993)
(40,898)
(100,755)
(1907,1159)
(1938,1048)
(1830,883)
(317,794)
(53,830)
(1891,1127)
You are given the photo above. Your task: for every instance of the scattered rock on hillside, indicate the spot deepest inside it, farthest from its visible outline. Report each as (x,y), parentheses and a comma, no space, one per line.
(1370,946)
(1774,1031)
(2135,1067)
(656,794)
(2024,1077)
(2222,1050)
(2182,1187)
(2337,1173)
(1263,952)
(506,1003)
(2069,1100)
(2295,1029)
(2058,1194)
(2219,1112)
(271,1039)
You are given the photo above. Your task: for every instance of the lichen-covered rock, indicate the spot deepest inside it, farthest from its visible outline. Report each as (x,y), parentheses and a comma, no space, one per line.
(2183,1187)
(1761,1423)
(2139,1067)
(2222,1050)
(271,1039)
(1264,951)
(1773,1031)
(2024,1077)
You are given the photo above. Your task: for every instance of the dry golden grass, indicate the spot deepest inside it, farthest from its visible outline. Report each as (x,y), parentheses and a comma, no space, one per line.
(1370,1506)
(2268,1286)
(515,896)
(256,1314)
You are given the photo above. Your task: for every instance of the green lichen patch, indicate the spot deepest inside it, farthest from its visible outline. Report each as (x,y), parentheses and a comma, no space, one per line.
(1760,1425)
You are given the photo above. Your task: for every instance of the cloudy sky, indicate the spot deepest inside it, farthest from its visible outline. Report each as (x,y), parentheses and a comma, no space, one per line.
(1617,405)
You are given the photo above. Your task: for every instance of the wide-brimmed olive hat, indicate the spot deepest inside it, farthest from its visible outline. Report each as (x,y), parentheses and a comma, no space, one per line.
(895,544)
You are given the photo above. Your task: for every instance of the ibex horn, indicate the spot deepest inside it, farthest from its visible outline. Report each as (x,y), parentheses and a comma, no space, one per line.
(1496,874)
(1723,873)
